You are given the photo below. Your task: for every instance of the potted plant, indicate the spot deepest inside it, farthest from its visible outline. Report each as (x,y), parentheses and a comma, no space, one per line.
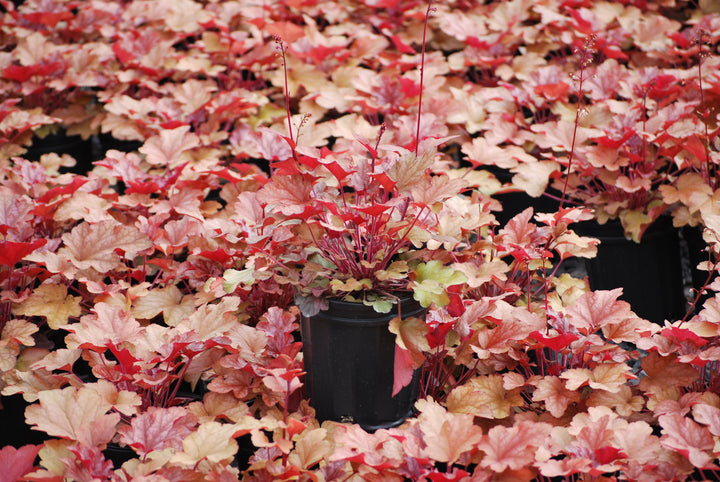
(612,155)
(54,65)
(362,249)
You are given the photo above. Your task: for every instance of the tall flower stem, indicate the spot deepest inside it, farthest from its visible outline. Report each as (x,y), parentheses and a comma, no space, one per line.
(586,57)
(422,77)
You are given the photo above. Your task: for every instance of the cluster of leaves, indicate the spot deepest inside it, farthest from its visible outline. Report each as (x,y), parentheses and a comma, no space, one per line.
(155,271)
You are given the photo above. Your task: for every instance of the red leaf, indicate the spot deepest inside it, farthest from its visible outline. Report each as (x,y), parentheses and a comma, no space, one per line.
(409,88)
(76,183)
(681,40)
(25,73)
(402,46)
(682,335)
(219,255)
(173,124)
(608,141)
(695,147)
(11,252)
(123,55)
(385,181)
(552,91)
(14,463)
(404,368)
(436,336)
(336,170)
(373,210)
(285,167)
(456,307)
(142,187)
(608,454)
(454,476)
(49,19)
(555,343)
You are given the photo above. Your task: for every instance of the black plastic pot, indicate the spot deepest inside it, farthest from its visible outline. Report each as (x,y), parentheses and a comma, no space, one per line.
(650,272)
(60,143)
(349,359)
(515,202)
(15,430)
(107,141)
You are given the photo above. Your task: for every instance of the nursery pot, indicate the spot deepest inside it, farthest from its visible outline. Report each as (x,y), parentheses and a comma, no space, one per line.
(515,202)
(60,143)
(349,356)
(649,272)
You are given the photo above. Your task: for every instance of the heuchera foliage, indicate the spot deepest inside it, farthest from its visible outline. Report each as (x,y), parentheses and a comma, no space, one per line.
(141,304)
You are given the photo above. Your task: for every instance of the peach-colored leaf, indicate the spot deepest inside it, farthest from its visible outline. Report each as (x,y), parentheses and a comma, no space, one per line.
(212,441)
(623,401)
(688,438)
(109,323)
(183,201)
(559,135)
(576,377)
(665,371)
(708,415)
(75,414)
(637,441)
(83,206)
(311,448)
(20,331)
(447,436)
(484,396)
(532,177)
(157,429)
(167,300)
(124,401)
(289,194)
(97,245)
(170,147)
(556,396)
(354,443)
(220,405)
(596,309)
(212,319)
(608,376)
(513,447)
(52,302)
(411,335)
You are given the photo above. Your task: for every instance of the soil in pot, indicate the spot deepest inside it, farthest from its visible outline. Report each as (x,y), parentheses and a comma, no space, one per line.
(349,362)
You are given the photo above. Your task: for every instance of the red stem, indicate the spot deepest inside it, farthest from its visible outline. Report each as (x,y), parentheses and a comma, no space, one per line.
(422,77)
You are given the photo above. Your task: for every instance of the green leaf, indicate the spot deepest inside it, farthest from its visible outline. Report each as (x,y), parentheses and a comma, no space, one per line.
(233,277)
(380,305)
(395,271)
(429,292)
(435,271)
(431,281)
(351,285)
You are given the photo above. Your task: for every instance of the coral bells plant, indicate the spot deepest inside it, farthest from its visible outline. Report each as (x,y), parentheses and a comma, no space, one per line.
(176,264)
(362,225)
(362,218)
